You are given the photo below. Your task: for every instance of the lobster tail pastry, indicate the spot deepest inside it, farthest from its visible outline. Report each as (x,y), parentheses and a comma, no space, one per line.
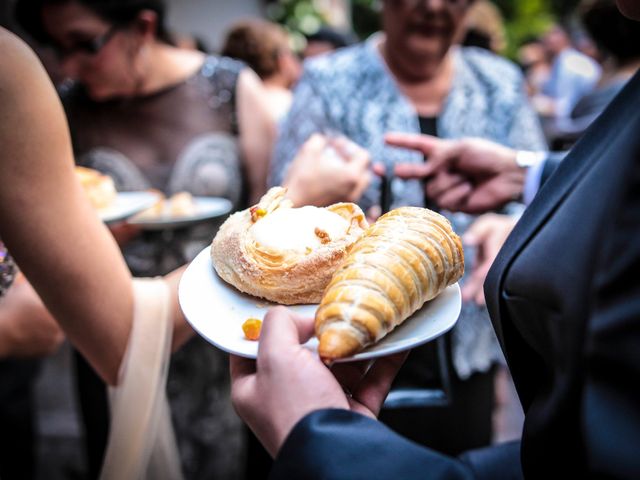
(405,259)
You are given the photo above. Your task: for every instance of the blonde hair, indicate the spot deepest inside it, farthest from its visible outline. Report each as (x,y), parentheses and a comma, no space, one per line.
(484,17)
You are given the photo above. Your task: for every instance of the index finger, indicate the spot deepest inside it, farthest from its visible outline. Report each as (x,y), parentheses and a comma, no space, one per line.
(375,385)
(240,367)
(412,170)
(445,156)
(413,141)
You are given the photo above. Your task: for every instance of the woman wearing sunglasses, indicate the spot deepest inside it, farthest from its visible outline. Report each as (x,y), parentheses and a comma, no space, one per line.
(155,116)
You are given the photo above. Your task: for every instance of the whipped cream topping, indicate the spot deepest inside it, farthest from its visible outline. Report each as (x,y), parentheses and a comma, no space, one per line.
(294,229)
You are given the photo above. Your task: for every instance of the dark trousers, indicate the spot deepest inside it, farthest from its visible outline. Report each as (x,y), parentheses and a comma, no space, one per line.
(94,409)
(17,419)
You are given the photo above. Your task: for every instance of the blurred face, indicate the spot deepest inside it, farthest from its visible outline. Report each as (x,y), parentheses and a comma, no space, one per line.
(290,67)
(423,29)
(556,40)
(531,54)
(91,51)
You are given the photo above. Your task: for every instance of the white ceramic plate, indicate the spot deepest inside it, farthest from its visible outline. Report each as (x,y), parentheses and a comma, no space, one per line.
(216,310)
(206,208)
(127,204)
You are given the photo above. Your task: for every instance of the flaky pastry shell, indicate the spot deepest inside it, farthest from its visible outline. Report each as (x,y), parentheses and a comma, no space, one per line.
(403,260)
(281,275)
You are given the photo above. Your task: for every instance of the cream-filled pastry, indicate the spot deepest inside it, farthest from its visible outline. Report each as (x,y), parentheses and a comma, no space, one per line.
(285,254)
(298,230)
(99,187)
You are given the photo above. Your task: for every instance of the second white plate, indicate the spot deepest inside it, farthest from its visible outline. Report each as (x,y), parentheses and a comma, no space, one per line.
(206,208)
(127,204)
(216,310)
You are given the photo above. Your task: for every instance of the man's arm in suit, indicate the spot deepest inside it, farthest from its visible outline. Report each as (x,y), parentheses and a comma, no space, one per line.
(538,171)
(335,435)
(337,444)
(550,165)
(474,175)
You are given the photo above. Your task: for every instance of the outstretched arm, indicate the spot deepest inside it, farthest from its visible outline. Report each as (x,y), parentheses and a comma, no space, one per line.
(26,327)
(47,223)
(469,175)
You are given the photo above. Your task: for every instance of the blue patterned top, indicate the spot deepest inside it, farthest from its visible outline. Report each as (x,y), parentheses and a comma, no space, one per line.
(352,92)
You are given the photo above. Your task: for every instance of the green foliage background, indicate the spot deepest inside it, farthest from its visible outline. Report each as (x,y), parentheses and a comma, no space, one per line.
(523,18)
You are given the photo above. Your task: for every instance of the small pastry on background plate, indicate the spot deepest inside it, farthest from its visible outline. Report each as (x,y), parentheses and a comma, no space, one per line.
(157,209)
(284,254)
(181,204)
(99,187)
(403,260)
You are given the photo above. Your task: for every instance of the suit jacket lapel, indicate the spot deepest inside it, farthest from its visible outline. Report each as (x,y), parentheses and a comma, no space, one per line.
(572,169)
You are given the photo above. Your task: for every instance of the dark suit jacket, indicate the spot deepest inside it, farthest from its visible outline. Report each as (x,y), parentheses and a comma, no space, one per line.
(564,297)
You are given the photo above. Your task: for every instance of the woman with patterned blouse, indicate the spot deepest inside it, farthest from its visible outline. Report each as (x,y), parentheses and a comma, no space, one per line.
(413,78)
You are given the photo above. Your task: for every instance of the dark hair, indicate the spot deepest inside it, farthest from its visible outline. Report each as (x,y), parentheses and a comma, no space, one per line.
(476,38)
(530,40)
(258,43)
(117,12)
(334,37)
(612,31)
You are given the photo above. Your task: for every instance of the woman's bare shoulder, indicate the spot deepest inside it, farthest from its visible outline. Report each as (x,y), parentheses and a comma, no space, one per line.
(20,66)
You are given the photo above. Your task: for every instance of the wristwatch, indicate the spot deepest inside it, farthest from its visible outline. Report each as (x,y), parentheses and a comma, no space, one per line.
(526,159)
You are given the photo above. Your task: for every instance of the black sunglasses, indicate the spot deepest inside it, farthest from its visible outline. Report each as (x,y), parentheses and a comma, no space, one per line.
(87,47)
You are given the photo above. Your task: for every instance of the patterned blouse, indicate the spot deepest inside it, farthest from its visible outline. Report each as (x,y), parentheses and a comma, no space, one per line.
(352,92)
(7,270)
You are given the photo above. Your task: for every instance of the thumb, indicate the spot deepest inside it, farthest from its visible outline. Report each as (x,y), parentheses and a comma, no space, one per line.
(315,143)
(282,327)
